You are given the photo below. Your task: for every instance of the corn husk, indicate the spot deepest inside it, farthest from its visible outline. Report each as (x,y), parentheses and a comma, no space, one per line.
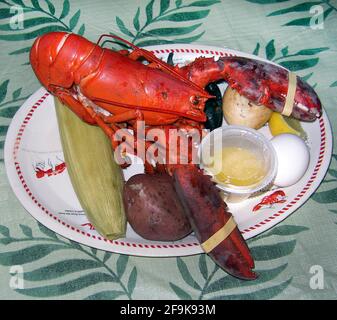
(95,176)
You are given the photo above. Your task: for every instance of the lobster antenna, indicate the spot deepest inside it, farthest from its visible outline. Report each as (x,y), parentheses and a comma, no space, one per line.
(117,38)
(151,57)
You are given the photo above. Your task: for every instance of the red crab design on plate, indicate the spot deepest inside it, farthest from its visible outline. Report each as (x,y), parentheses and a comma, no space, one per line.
(46,170)
(268,201)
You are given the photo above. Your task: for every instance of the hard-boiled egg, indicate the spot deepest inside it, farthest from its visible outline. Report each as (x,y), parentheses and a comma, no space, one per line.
(293,159)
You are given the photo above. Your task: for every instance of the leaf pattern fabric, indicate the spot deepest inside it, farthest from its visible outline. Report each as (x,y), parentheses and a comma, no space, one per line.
(297,34)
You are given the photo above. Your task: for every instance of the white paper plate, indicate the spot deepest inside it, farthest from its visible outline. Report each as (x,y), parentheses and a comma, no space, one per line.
(33,144)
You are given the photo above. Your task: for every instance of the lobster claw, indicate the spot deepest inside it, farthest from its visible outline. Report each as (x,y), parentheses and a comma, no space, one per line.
(208,213)
(260,82)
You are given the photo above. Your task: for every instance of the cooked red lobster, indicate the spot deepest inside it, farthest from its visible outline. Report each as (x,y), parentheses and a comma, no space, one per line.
(113,88)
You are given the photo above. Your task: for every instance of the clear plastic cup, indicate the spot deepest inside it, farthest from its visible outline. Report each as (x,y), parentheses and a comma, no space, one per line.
(245,138)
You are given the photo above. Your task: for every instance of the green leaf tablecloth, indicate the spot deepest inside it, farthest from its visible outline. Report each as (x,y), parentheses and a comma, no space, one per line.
(300,35)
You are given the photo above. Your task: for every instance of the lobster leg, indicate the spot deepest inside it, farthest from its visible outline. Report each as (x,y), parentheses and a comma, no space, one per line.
(132,140)
(124,117)
(208,213)
(109,130)
(88,115)
(74,105)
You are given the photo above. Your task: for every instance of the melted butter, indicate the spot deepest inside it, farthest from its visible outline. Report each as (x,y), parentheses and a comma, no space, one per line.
(239,167)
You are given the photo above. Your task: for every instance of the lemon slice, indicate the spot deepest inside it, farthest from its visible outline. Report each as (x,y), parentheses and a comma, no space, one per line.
(279,124)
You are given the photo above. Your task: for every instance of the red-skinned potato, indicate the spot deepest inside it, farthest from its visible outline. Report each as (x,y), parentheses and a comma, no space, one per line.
(153,208)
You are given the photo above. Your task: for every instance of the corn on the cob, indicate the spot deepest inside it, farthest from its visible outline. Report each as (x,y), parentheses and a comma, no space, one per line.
(95,176)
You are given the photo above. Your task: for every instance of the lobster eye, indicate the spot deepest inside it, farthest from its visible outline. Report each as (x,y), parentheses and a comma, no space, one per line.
(195,100)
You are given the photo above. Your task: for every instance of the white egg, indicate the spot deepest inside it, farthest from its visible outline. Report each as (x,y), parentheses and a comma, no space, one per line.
(293,159)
